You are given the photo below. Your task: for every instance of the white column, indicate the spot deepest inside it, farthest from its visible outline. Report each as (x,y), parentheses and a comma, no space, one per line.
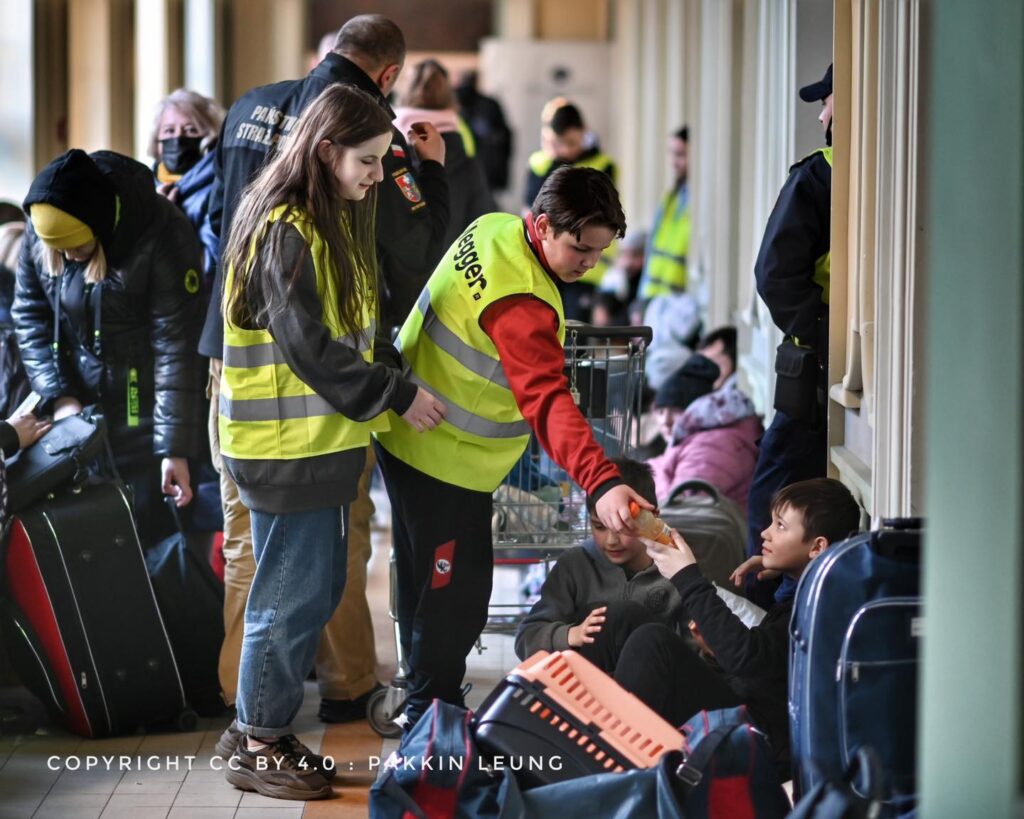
(17,110)
(204,61)
(153,81)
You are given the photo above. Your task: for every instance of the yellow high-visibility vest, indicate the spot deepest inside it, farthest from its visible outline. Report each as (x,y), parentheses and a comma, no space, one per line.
(823,264)
(665,266)
(266,411)
(447,352)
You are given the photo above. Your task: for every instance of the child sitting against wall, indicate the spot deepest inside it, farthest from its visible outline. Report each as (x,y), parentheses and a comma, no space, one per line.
(598,593)
(752,663)
(711,430)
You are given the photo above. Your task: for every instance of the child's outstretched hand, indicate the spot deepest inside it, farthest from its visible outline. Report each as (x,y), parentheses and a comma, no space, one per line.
(29,428)
(752,564)
(591,625)
(670,560)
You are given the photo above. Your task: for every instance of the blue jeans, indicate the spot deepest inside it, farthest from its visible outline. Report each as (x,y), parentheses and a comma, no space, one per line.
(300,575)
(789,451)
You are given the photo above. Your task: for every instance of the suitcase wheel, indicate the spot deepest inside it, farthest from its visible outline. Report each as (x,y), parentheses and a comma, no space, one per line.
(187,720)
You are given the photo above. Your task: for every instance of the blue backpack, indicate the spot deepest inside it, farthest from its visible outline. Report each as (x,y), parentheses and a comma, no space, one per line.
(436,772)
(724,771)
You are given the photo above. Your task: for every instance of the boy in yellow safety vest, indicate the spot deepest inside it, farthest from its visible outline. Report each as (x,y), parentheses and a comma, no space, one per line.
(486,339)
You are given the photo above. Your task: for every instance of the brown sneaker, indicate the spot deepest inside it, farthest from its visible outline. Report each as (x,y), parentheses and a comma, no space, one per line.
(280,770)
(232,734)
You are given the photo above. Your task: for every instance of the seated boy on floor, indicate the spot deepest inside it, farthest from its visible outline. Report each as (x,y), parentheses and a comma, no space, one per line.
(752,663)
(598,593)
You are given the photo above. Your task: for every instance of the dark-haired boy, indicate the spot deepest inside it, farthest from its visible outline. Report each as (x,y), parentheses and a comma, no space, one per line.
(598,593)
(486,338)
(752,663)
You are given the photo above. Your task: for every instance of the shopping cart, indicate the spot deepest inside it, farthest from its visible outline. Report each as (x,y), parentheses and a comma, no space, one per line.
(538,511)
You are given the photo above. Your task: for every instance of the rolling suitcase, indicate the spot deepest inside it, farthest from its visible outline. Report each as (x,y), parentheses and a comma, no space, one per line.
(853,664)
(82,623)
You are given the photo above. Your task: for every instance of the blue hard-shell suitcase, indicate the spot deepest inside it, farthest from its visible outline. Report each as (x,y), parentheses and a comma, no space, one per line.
(855,640)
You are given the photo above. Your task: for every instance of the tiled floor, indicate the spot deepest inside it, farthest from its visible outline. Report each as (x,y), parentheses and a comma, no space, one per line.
(173,775)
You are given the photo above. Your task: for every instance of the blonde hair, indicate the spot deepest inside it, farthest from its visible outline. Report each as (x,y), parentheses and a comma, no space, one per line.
(11,236)
(207,112)
(53,261)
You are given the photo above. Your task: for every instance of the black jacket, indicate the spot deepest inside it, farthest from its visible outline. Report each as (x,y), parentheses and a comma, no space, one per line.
(151,311)
(797,235)
(754,660)
(467,185)
(410,232)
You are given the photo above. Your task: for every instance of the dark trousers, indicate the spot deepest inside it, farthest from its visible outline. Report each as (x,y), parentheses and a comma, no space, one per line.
(622,618)
(443,553)
(789,451)
(659,667)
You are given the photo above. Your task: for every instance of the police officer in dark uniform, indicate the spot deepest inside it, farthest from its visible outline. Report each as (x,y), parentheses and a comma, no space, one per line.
(792,273)
(412,220)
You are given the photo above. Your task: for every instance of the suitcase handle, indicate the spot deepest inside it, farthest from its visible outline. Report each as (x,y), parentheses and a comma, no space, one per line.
(694,483)
(894,545)
(903,524)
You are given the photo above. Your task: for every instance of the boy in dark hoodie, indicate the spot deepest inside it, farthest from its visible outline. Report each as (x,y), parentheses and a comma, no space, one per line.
(597,594)
(751,663)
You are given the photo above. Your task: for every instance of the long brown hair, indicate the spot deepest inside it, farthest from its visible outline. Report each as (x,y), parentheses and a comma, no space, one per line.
(430,87)
(298,179)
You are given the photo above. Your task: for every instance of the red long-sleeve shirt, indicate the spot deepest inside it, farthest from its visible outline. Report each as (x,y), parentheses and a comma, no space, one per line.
(525,331)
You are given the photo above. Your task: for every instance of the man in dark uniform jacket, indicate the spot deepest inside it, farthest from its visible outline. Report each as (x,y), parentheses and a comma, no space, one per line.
(792,274)
(412,219)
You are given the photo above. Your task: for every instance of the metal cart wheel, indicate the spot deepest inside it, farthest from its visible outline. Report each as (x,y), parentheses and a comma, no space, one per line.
(381,713)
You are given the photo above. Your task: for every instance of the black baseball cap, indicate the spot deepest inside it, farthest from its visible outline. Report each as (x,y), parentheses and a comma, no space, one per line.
(818,90)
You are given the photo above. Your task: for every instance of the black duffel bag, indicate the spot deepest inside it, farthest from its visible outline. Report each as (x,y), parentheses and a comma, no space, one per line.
(63,455)
(191,601)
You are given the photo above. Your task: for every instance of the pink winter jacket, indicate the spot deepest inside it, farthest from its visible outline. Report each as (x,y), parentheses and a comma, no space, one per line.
(723,455)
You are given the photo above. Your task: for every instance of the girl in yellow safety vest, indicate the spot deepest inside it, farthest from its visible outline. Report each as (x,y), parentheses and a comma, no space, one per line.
(303,386)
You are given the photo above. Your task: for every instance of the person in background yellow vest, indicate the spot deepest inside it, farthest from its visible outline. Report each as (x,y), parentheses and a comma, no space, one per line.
(486,338)
(665,263)
(565,140)
(303,387)
(792,275)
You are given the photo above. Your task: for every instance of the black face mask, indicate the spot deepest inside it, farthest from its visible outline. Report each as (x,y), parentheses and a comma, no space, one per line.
(180,153)
(828,134)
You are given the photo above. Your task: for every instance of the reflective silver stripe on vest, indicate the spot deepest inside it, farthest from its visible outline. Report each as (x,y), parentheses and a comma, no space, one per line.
(667,255)
(261,355)
(473,360)
(275,409)
(463,419)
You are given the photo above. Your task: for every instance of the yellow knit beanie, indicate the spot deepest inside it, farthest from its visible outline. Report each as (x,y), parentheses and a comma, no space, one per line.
(58,229)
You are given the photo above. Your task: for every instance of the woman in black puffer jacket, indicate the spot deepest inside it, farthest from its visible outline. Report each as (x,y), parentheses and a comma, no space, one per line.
(126,264)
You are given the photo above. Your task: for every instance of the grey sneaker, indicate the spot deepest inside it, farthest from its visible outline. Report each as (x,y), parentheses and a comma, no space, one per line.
(232,735)
(280,771)
(228,740)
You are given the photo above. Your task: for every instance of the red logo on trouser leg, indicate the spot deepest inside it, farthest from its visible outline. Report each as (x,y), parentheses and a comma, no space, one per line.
(444,563)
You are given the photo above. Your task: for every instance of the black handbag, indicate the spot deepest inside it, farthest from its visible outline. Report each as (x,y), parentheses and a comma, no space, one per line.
(798,390)
(61,456)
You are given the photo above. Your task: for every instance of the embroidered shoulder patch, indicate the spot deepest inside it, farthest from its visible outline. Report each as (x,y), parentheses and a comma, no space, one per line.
(410,190)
